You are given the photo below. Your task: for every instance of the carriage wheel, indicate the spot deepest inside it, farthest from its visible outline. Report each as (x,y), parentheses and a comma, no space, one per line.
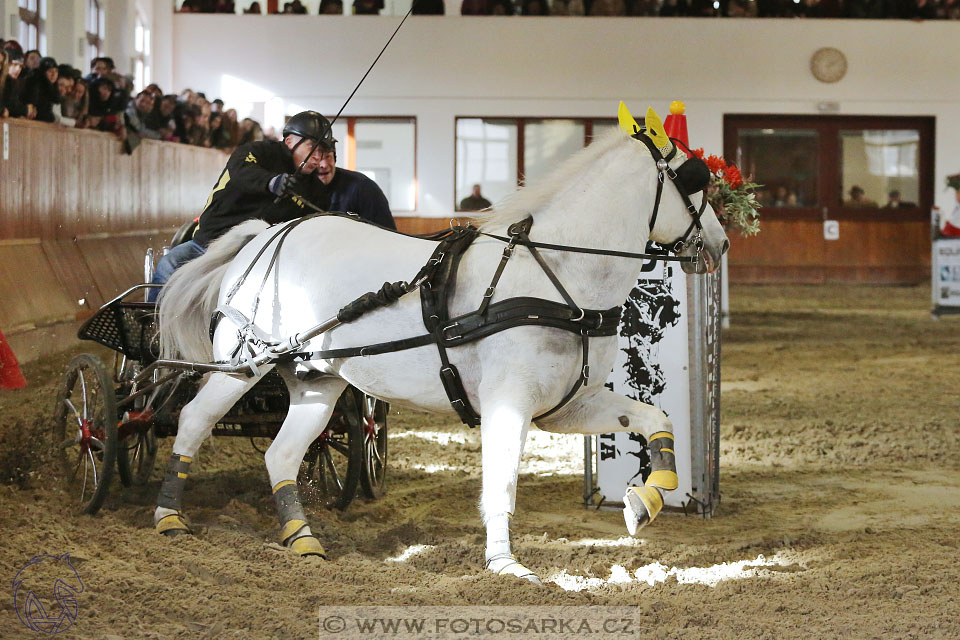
(331,469)
(137,454)
(374,447)
(85,432)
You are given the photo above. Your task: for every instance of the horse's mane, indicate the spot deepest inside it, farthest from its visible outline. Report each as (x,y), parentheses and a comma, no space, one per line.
(529,199)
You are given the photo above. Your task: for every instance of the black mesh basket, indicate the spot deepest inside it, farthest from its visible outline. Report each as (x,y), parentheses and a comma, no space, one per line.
(127,327)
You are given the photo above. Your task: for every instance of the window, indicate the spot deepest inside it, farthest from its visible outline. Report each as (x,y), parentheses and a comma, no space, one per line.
(94,30)
(836,167)
(501,153)
(32,32)
(782,160)
(141,60)
(878,164)
(385,150)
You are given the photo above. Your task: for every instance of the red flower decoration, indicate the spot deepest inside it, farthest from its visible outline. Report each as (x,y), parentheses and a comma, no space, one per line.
(698,153)
(715,164)
(732,175)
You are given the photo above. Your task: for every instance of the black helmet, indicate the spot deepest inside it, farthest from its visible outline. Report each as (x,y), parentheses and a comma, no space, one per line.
(311,125)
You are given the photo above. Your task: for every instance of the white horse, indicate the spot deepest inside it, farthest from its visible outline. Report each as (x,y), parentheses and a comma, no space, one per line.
(602,197)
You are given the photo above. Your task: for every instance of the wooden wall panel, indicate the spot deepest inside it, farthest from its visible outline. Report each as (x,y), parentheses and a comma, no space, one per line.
(876,252)
(30,293)
(71,270)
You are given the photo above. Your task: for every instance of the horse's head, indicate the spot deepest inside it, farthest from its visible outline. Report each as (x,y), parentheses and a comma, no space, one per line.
(680,219)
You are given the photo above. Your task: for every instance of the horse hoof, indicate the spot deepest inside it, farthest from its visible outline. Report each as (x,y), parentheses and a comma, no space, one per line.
(508,565)
(172,525)
(640,506)
(309,547)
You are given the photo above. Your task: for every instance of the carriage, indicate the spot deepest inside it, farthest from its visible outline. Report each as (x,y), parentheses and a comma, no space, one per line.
(106,418)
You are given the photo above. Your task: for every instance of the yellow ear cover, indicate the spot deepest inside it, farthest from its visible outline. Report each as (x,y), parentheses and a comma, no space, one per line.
(627,121)
(655,130)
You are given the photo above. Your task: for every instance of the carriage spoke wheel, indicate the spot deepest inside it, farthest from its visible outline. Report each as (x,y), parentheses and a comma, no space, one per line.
(373,477)
(85,432)
(331,469)
(137,453)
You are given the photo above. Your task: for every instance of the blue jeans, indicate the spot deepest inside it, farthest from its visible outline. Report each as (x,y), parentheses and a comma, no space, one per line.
(178,256)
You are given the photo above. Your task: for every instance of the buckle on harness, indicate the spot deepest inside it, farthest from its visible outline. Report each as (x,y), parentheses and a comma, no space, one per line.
(489,292)
(446,329)
(438,259)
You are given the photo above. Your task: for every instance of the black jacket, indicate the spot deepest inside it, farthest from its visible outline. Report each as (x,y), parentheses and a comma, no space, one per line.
(42,94)
(242,192)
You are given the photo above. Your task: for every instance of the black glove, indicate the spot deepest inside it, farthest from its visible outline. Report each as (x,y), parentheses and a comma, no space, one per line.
(282,185)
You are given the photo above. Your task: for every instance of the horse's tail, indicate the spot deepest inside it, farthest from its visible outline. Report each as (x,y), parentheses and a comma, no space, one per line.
(191,295)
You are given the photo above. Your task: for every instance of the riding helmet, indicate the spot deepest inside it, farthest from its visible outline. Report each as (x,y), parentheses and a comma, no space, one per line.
(312,125)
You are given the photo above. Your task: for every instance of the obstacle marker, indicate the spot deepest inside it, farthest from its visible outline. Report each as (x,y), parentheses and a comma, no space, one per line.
(10,375)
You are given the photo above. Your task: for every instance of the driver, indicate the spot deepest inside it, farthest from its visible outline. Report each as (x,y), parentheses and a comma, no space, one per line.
(262,180)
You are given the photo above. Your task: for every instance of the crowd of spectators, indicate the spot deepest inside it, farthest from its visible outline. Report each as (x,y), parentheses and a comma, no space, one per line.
(37,88)
(867,9)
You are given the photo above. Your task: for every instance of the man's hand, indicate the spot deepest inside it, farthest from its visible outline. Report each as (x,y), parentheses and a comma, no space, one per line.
(283,184)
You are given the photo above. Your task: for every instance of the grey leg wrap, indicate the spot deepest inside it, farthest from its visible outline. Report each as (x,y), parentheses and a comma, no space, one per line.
(295,531)
(171,491)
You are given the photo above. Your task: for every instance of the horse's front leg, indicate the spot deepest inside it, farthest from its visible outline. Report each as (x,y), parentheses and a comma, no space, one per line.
(506,409)
(599,410)
(311,405)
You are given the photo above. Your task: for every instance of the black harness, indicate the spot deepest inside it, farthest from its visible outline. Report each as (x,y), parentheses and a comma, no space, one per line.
(437,279)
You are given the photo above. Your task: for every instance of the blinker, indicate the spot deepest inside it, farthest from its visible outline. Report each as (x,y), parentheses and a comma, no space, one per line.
(692,176)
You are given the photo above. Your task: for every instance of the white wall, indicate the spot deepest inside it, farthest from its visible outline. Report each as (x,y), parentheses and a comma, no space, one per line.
(441,67)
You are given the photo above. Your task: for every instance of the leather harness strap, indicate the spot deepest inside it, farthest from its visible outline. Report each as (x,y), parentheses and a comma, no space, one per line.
(437,282)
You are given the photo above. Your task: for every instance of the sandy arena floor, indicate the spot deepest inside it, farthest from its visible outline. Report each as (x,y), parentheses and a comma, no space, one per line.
(840,478)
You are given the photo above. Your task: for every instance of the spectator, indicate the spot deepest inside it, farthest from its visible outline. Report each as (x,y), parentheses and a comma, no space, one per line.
(13,47)
(31,59)
(500,7)
(76,104)
(367,7)
(218,136)
(475,201)
(331,7)
(918,10)
(253,9)
(534,8)
(216,106)
(231,126)
(103,113)
(894,201)
(858,198)
(137,113)
(297,7)
(673,8)
(161,119)
(429,8)
(11,104)
(250,131)
(474,8)
(100,68)
(40,89)
(642,8)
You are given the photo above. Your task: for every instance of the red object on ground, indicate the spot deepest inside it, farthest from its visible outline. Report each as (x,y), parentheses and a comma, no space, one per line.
(10,376)
(675,124)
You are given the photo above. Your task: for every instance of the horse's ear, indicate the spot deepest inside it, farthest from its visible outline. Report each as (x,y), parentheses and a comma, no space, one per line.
(655,130)
(627,122)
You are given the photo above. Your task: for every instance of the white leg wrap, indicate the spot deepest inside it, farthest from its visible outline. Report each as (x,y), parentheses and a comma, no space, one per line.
(498,536)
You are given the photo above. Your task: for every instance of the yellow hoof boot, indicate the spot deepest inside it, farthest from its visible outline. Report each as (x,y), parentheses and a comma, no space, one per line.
(640,506)
(172,525)
(308,546)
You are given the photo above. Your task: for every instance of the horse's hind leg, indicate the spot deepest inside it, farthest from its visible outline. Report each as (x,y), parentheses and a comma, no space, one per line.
(197,418)
(600,410)
(311,405)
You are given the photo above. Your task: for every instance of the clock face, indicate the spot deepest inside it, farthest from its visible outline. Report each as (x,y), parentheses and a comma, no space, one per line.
(828,64)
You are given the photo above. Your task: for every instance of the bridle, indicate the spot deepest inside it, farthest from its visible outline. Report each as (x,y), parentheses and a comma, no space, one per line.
(686,179)
(692,176)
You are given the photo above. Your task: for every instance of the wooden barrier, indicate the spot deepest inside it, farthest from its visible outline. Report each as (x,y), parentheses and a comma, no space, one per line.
(76,218)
